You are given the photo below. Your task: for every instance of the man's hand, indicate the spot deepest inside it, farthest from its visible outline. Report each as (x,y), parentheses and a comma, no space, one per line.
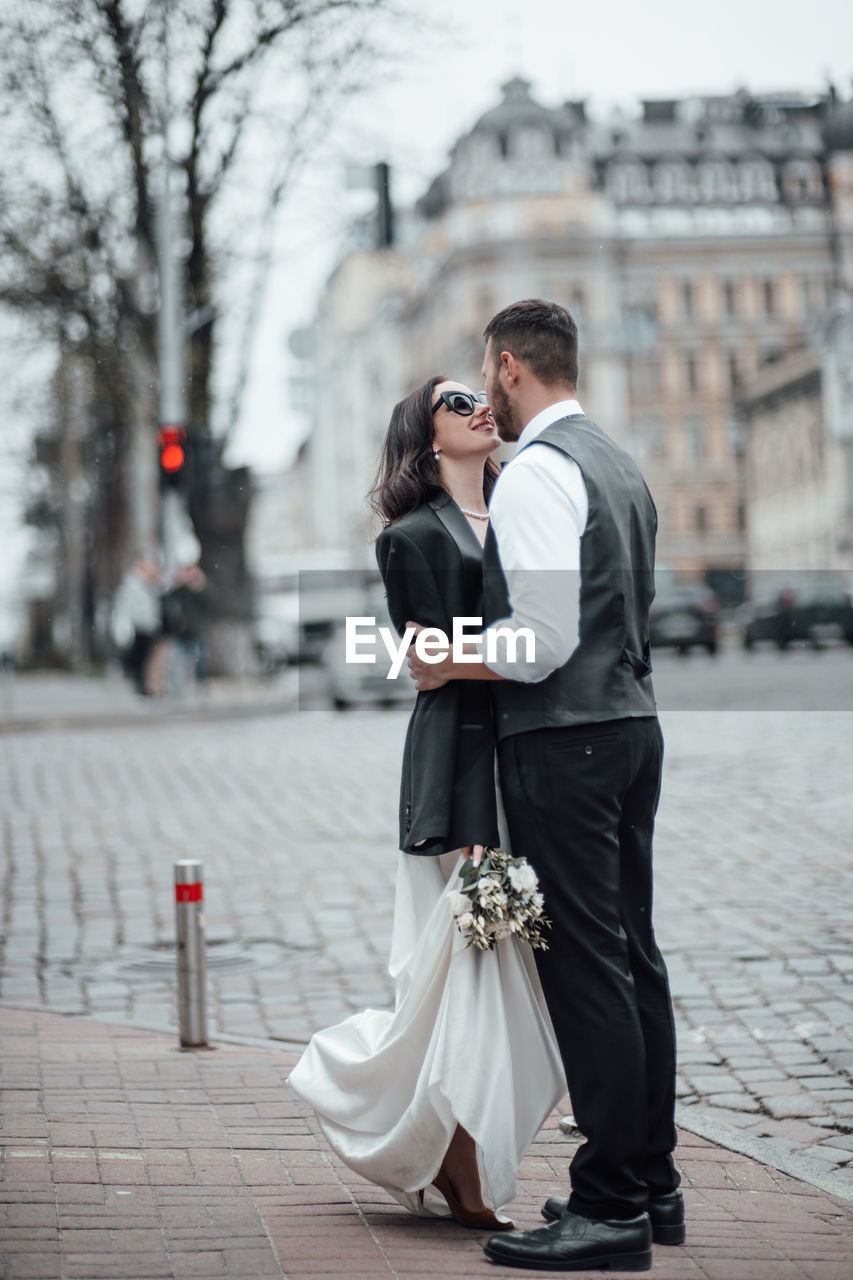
(427,675)
(474,852)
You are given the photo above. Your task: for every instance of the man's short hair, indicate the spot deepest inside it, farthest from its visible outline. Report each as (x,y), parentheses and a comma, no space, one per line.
(540,333)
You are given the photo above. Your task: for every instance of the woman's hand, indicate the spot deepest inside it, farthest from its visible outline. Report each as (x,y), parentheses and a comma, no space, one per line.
(432,675)
(474,852)
(426,675)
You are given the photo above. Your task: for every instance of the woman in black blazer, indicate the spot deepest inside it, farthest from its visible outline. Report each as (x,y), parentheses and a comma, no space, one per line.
(431,563)
(449,1089)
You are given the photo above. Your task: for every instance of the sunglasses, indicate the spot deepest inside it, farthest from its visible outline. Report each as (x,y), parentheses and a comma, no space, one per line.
(461,402)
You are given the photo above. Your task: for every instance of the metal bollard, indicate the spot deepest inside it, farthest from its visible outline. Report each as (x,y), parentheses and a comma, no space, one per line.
(192,975)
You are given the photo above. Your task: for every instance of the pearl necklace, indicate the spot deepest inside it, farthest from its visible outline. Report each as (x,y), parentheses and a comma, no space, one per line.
(475,515)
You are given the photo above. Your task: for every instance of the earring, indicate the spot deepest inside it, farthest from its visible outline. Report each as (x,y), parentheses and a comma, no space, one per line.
(435,453)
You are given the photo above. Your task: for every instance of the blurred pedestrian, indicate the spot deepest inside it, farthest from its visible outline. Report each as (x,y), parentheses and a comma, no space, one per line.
(186,611)
(136,622)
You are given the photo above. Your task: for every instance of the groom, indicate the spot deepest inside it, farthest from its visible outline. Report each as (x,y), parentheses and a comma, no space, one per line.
(570,554)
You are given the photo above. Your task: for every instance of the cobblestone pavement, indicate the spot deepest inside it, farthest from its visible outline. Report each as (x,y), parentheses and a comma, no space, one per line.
(294,818)
(125,1158)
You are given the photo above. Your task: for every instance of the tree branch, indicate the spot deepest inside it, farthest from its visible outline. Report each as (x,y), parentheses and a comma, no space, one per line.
(133,108)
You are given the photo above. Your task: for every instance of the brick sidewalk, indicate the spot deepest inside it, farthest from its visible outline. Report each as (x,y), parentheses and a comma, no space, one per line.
(123,1157)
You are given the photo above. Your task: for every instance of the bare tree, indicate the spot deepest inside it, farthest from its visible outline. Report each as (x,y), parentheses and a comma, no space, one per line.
(252,86)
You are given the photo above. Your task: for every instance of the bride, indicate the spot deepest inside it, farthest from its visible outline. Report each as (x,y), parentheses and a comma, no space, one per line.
(445,1093)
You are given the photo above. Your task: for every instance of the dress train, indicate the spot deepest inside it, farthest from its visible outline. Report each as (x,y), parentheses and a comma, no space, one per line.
(469,1042)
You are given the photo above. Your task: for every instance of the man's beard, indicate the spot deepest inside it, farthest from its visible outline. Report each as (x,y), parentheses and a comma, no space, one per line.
(505,415)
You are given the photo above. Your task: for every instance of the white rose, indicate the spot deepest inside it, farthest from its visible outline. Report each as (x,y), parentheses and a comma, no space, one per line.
(488,885)
(459,902)
(523,879)
(465,921)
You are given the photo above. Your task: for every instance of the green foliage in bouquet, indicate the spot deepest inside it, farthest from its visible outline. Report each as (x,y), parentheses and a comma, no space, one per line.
(499,899)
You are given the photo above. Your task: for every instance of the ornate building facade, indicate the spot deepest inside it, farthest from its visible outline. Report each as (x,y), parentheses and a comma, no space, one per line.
(798,430)
(695,243)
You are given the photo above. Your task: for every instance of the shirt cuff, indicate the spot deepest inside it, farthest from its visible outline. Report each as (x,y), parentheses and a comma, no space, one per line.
(517,653)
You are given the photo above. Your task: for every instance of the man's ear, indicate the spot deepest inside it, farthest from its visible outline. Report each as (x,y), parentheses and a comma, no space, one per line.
(511,365)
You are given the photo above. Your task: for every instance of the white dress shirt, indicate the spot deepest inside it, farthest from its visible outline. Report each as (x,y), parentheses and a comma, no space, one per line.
(539,510)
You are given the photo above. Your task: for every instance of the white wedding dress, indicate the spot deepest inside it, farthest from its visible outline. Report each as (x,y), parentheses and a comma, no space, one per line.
(469,1042)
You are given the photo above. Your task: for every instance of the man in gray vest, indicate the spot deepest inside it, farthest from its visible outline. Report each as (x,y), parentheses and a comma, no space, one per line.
(570,556)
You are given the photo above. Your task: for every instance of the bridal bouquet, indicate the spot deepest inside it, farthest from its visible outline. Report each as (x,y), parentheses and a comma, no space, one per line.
(497,899)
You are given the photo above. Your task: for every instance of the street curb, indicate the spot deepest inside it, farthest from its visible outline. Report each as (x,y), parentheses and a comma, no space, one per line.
(113,1018)
(143,719)
(766,1151)
(696,1120)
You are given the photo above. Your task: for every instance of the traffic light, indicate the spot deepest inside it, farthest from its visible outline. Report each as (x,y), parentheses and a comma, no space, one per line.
(172,443)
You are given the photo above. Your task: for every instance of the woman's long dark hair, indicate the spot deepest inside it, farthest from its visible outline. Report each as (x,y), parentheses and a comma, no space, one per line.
(408,473)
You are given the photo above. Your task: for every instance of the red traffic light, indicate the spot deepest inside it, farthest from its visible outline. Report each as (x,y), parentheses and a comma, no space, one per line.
(171,442)
(172,457)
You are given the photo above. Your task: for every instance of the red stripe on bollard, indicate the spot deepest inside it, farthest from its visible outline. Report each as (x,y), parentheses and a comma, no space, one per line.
(189,892)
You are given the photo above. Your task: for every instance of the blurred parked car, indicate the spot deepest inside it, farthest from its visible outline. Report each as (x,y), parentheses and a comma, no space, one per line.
(812,605)
(300,602)
(683,615)
(356,683)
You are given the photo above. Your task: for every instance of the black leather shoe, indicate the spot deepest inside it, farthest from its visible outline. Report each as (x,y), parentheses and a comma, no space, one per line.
(666,1213)
(575,1243)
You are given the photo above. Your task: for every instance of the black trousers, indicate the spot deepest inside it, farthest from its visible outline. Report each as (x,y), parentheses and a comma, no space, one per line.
(580,805)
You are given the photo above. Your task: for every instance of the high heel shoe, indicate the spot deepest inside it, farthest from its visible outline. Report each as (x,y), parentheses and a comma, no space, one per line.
(479,1220)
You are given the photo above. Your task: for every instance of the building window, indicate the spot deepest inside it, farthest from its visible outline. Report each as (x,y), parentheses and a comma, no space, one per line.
(694,434)
(730,297)
(672,181)
(629,182)
(691,372)
(740,517)
(757,180)
(715,180)
(733,366)
(577,304)
(805,297)
(687,300)
(769,293)
(531,142)
(802,180)
(700,519)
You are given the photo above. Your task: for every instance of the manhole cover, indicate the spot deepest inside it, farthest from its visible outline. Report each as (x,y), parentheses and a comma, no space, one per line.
(229,957)
(224,957)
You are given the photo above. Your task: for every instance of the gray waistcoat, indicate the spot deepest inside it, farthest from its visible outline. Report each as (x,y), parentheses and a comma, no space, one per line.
(608,675)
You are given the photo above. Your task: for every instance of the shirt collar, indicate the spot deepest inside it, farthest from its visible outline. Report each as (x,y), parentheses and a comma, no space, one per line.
(551,413)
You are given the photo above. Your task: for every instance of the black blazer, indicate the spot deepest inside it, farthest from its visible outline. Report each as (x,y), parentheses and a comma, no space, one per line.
(431,565)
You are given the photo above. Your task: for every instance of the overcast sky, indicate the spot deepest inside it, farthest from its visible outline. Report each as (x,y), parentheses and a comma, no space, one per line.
(611,52)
